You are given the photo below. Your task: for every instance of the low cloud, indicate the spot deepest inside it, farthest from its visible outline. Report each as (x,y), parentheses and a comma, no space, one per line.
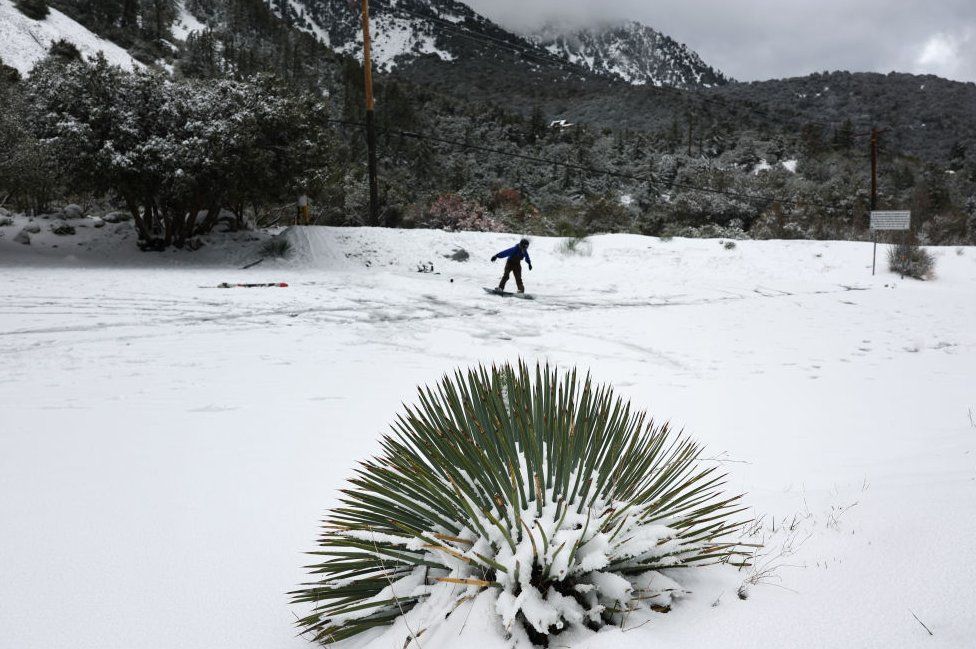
(951,55)
(762,39)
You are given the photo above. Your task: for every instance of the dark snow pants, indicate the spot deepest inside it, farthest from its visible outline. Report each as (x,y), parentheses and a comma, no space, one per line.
(513,266)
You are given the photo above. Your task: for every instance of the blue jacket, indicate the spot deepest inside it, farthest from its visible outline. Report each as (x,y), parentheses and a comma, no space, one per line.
(518,253)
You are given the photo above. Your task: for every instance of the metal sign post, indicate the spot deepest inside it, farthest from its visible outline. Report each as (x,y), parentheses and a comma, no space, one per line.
(887,220)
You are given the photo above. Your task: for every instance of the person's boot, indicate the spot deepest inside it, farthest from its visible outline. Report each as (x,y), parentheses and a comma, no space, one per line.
(521,290)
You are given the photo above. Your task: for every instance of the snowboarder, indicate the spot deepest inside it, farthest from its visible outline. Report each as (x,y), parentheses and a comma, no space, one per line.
(515,254)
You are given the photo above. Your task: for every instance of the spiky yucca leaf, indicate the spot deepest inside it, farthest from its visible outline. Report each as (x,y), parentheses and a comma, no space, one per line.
(546,489)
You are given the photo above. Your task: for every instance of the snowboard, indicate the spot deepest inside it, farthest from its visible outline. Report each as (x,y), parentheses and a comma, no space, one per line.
(268,285)
(495,291)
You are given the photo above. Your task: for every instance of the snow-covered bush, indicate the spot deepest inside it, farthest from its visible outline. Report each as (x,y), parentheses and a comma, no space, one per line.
(707,231)
(277,248)
(576,246)
(170,150)
(912,260)
(544,493)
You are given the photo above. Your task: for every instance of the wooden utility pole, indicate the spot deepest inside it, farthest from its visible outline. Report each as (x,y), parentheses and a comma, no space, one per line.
(691,123)
(875,132)
(874,169)
(374,210)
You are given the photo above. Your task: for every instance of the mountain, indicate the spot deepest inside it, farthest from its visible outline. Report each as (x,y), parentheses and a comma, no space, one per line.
(406,31)
(633,52)
(617,76)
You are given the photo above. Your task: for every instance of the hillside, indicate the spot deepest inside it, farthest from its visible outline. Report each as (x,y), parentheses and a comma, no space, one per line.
(927,115)
(25,41)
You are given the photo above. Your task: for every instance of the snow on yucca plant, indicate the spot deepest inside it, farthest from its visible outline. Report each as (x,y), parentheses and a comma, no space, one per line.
(547,492)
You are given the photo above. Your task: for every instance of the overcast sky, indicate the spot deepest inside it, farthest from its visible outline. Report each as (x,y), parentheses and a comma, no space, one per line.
(763,39)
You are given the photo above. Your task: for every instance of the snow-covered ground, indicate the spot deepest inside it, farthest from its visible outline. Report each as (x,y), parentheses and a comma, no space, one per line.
(25,41)
(167,448)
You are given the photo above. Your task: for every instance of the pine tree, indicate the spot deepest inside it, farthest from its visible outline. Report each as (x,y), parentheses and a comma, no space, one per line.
(36,9)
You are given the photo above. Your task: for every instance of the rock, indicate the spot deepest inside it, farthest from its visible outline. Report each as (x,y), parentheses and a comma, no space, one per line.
(32,228)
(62,229)
(97,222)
(459,254)
(5,221)
(117,217)
(4,212)
(22,237)
(73,211)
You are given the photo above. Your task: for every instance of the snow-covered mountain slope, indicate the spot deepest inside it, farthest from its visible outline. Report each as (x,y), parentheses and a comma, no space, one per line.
(186,23)
(402,30)
(633,52)
(25,41)
(407,29)
(167,449)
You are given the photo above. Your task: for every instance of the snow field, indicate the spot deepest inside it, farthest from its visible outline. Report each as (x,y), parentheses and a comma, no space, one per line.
(167,450)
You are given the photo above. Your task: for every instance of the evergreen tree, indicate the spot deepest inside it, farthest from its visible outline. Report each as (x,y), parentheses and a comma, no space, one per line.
(844,136)
(36,9)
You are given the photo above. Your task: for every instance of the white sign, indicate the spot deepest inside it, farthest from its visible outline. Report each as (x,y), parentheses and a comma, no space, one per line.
(891,220)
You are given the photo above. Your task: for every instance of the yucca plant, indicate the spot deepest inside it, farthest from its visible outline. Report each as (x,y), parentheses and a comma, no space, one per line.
(541,491)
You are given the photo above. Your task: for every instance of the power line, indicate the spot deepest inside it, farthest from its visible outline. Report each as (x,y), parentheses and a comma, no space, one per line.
(597,171)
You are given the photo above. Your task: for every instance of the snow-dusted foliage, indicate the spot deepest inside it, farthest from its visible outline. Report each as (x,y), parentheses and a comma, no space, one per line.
(176,152)
(546,491)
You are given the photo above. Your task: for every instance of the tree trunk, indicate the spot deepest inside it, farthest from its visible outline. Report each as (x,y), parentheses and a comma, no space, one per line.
(137,218)
(213,213)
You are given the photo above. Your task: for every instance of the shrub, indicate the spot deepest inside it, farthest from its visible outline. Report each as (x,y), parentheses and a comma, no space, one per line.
(36,9)
(451,212)
(912,260)
(545,494)
(277,248)
(728,245)
(8,74)
(262,142)
(506,199)
(65,50)
(576,246)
